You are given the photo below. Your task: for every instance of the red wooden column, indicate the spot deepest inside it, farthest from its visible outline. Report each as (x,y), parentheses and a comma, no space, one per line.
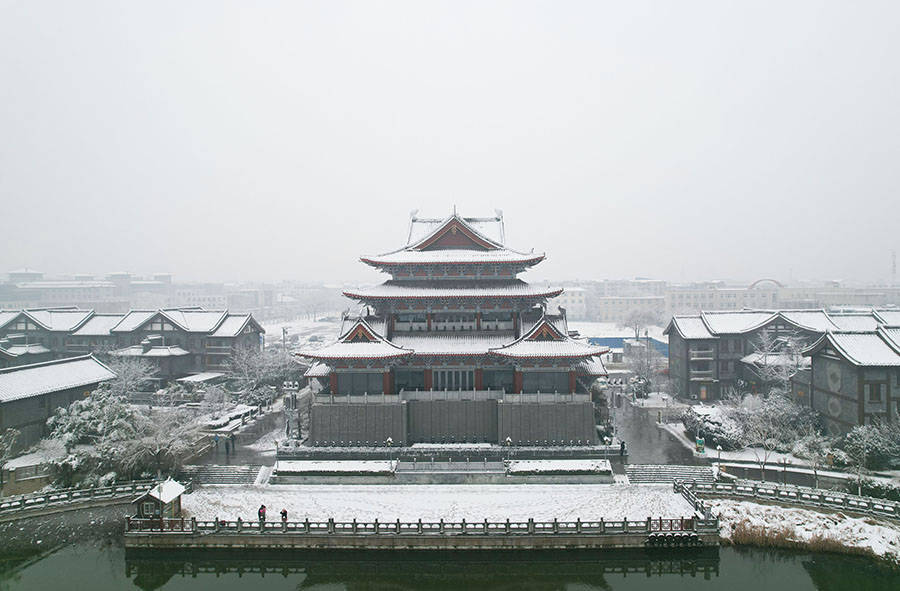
(571,382)
(428,379)
(428,320)
(332,380)
(386,382)
(479,379)
(517,381)
(477,324)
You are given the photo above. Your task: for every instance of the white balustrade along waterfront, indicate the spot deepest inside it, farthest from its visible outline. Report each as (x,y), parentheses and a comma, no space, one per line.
(76,497)
(793,495)
(423,528)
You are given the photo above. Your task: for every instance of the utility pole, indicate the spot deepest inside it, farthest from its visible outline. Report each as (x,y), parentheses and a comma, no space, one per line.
(284,339)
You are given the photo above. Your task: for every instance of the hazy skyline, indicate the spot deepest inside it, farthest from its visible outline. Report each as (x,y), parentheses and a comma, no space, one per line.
(281,140)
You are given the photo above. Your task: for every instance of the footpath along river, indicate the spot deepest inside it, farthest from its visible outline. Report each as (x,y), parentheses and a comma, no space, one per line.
(103,565)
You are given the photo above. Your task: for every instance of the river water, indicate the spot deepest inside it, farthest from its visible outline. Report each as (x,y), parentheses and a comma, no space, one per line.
(100,566)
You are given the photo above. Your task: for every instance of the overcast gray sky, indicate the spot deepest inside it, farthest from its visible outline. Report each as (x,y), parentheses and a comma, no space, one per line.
(269,140)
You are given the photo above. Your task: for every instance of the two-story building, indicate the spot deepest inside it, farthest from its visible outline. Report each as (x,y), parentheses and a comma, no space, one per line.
(710,351)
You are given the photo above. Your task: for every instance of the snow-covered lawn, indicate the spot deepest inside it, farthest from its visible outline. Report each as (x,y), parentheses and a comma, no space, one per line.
(560,467)
(434,502)
(335,467)
(882,537)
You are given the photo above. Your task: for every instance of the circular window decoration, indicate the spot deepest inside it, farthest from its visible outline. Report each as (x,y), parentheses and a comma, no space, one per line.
(834,406)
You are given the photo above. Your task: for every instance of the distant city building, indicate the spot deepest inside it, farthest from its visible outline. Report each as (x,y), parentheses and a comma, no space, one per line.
(710,351)
(454,348)
(121,291)
(30,394)
(176,341)
(573,300)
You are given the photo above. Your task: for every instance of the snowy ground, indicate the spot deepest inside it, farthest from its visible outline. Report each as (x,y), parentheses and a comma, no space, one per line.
(611,329)
(882,537)
(657,400)
(323,331)
(434,502)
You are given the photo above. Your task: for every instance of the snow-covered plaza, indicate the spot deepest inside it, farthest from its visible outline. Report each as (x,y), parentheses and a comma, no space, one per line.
(434,502)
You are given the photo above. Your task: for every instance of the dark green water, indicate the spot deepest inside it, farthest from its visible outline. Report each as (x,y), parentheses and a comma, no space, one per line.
(97,566)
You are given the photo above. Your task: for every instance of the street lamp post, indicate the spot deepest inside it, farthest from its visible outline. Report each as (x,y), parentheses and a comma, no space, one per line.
(719,450)
(389,442)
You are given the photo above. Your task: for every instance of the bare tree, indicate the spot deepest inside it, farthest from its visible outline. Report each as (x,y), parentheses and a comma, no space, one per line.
(815,448)
(637,320)
(778,358)
(761,434)
(859,444)
(7,446)
(132,373)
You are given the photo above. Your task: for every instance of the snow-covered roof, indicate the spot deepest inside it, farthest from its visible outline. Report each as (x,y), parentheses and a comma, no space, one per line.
(736,322)
(133,319)
(855,322)
(487,243)
(196,320)
(888,317)
(491,227)
(532,344)
(58,320)
(370,345)
(165,492)
(99,325)
(773,359)
(592,366)
(815,320)
(689,327)
(25,381)
(199,378)
(860,348)
(17,349)
(233,325)
(7,316)
(451,344)
(708,325)
(506,289)
(317,370)
(156,351)
(892,334)
(458,256)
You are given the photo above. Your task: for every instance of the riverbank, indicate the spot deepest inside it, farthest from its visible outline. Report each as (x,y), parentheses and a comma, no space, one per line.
(745,523)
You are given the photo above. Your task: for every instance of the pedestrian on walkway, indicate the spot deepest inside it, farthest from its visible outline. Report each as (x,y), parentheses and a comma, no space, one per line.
(262,514)
(284,516)
(622,449)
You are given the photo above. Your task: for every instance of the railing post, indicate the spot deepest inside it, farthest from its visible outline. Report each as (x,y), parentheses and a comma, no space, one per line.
(441,526)
(376,526)
(507,525)
(578,525)
(602,526)
(331,525)
(306,525)
(419,528)
(463,526)
(240,523)
(555,526)
(648,524)
(398,526)
(216,524)
(531,525)
(354,525)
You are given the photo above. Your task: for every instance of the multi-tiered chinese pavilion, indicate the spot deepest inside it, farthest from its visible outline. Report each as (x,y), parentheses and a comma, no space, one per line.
(454,348)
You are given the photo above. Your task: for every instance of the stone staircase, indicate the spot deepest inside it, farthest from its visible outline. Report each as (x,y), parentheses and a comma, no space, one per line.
(667,473)
(211,474)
